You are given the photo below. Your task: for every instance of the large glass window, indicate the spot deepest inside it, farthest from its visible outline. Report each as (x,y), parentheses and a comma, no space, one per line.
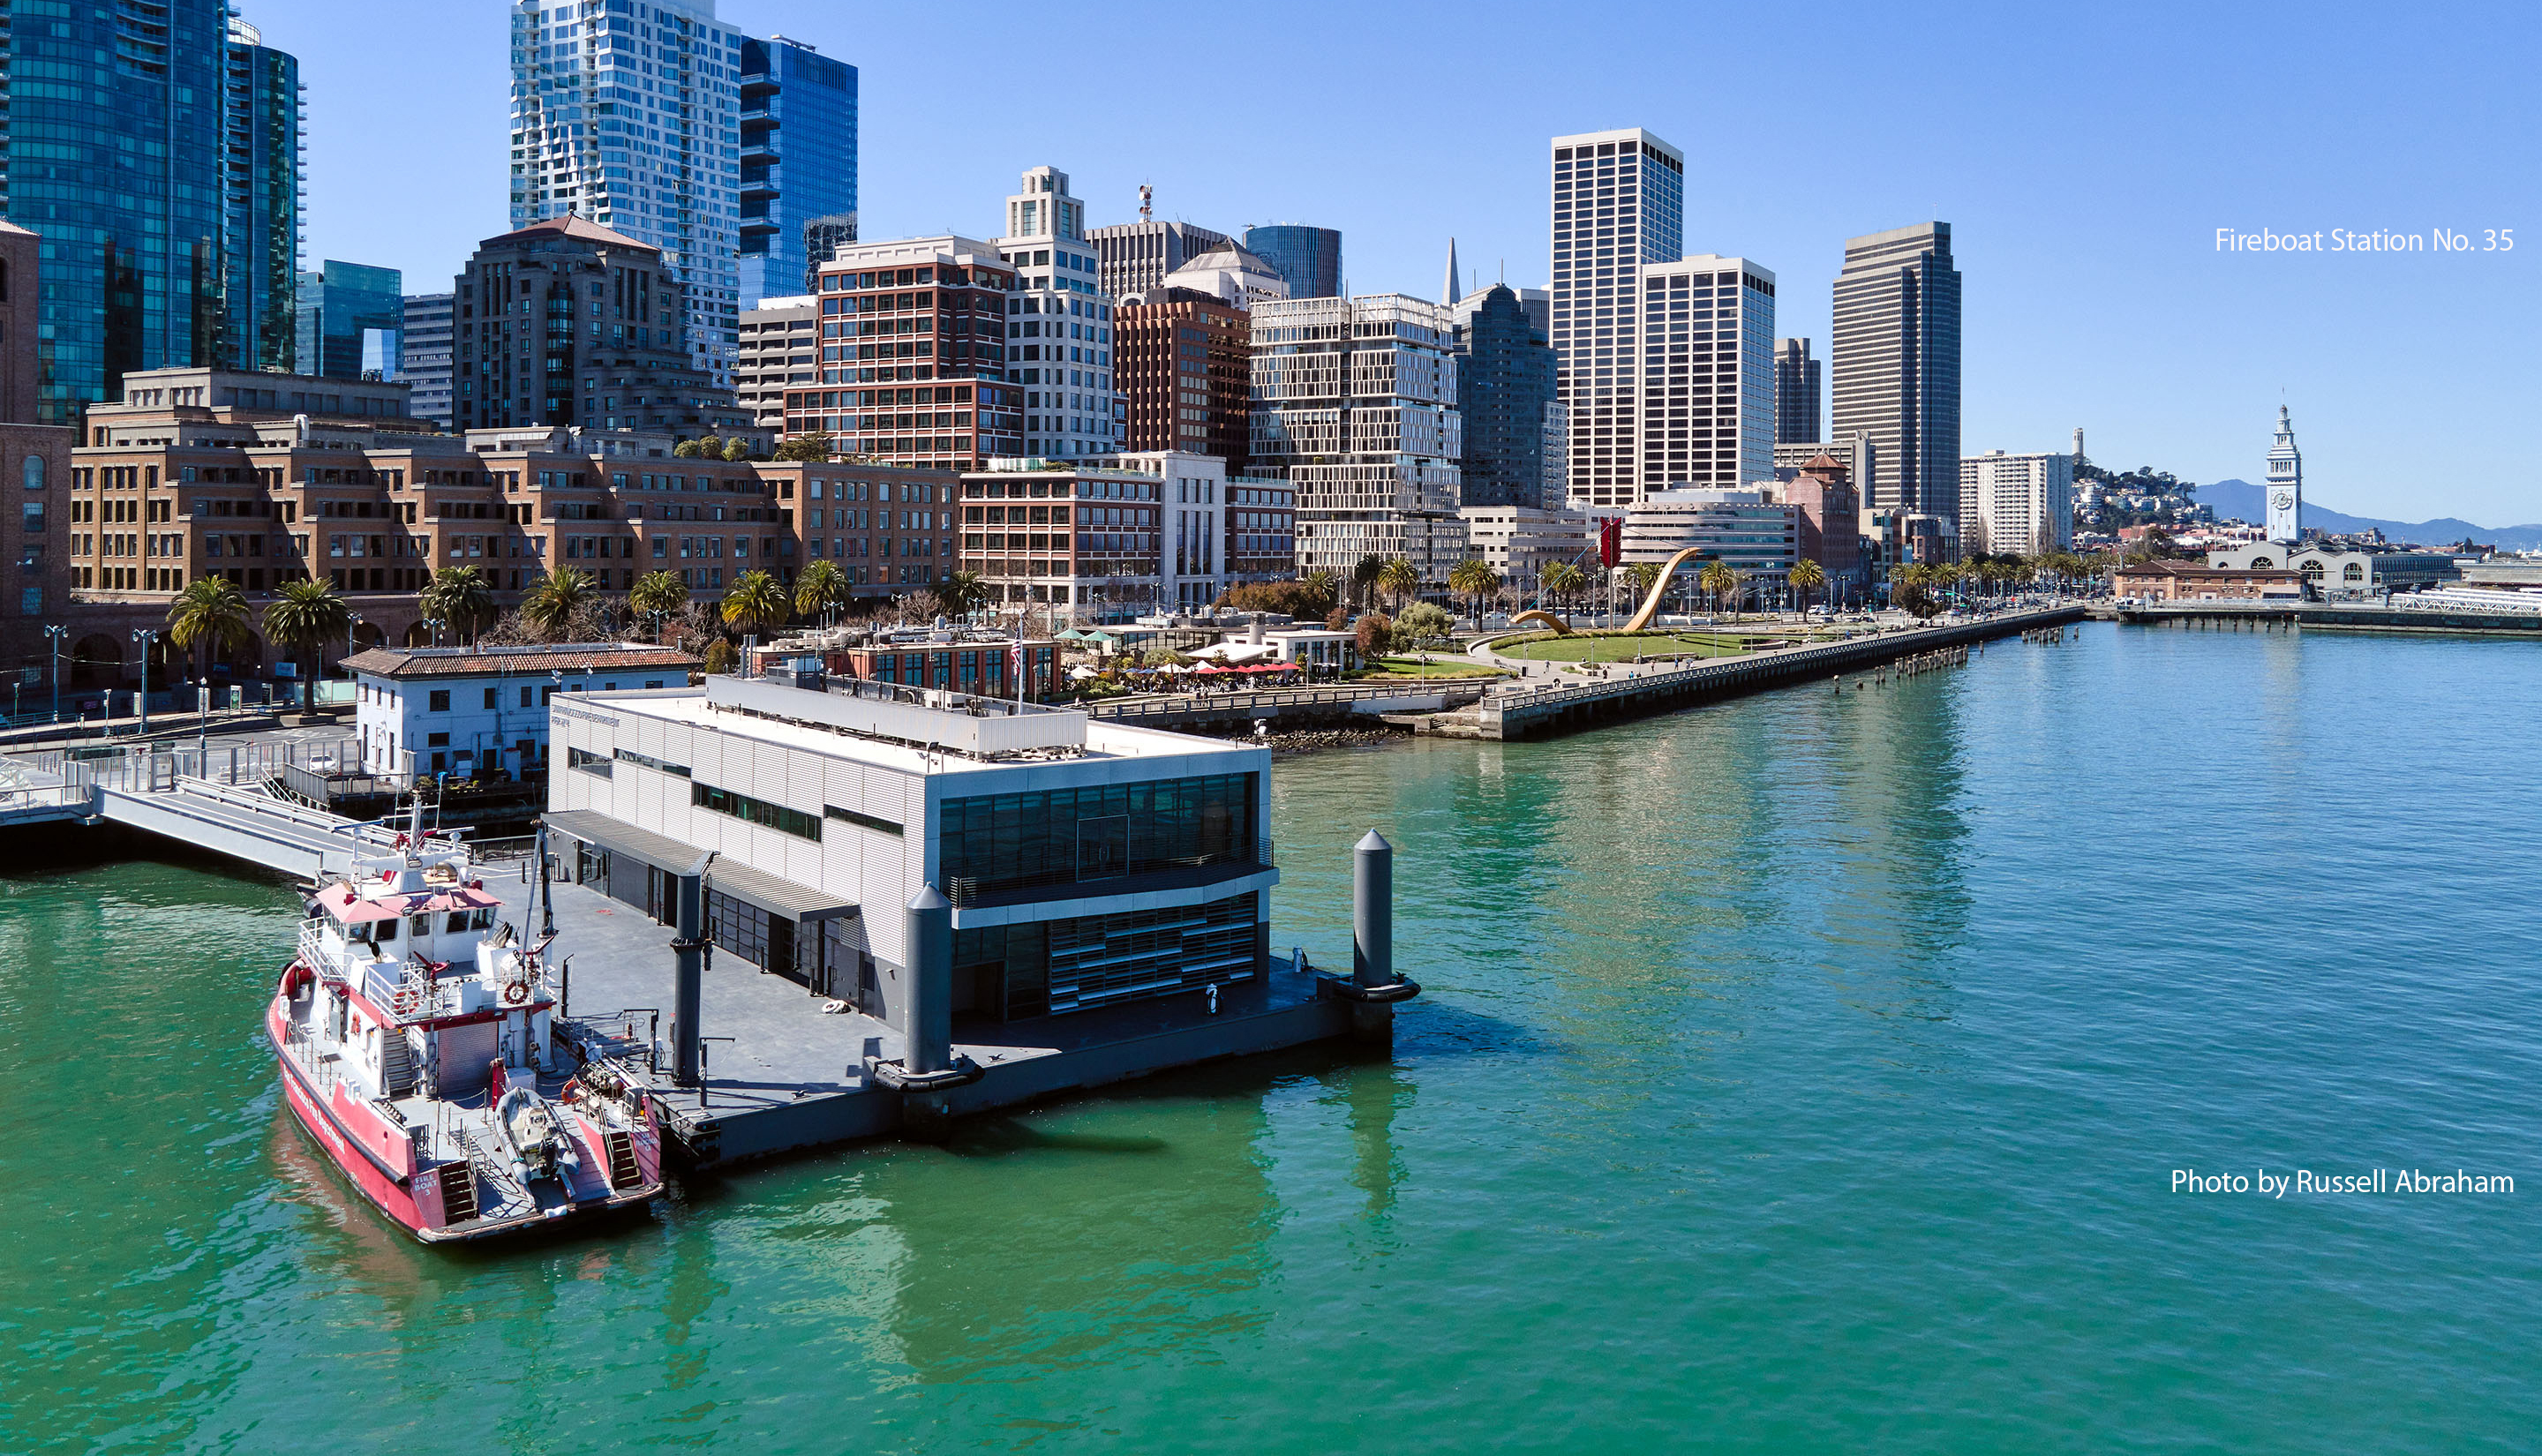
(758,811)
(1059,837)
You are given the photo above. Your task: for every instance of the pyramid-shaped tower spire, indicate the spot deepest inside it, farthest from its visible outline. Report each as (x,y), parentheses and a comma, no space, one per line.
(1454,292)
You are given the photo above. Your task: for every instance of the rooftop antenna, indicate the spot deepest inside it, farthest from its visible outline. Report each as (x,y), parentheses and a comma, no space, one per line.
(1147,203)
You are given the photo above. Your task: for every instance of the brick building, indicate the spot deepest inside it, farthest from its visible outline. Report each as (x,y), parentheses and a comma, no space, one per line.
(263,479)
(1182,360)
(568,322)
(2187,581)
(911,352)
(35,468)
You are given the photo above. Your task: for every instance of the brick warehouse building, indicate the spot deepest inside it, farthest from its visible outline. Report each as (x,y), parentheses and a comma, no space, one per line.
(198,471)
(912,356)
(35,468)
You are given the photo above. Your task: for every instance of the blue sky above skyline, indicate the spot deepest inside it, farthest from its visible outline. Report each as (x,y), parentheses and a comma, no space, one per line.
(2084,157)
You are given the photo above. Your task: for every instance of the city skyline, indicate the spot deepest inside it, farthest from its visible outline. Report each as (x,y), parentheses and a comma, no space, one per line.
(2097,297)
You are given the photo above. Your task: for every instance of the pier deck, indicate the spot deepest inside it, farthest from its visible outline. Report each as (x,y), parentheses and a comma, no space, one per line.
(782,1074)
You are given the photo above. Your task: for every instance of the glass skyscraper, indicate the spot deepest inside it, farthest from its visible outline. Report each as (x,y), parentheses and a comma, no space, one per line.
(352,320)
(798,163)
(261,202)
(1309,259)
(156,149)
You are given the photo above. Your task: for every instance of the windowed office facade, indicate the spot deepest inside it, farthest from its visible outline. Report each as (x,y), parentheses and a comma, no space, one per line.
(1088,864)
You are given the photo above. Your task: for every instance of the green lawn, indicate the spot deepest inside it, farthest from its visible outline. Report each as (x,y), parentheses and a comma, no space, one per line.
(1622,648)
(1439,665)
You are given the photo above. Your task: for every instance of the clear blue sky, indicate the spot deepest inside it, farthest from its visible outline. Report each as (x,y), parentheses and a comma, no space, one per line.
(2084,156)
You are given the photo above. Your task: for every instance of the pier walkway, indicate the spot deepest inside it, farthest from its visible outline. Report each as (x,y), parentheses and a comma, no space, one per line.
(209,798)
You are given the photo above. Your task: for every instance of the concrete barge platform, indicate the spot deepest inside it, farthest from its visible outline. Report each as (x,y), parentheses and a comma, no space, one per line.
(783,1073)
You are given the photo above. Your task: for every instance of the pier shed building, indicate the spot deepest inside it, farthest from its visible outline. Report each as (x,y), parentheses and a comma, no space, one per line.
(1087,863)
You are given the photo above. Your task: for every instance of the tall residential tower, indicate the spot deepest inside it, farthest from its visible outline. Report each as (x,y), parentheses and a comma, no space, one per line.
(1896,349)
(1618,202)
(630,115)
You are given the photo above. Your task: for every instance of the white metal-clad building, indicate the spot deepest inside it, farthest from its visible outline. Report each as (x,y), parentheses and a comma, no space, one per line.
(1088,863)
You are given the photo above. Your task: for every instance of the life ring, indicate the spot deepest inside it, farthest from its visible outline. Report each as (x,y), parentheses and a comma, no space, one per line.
(517,993)
(404,999)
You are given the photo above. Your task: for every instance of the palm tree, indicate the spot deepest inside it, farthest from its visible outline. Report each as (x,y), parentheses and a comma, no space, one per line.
(1560,579)
(1643,575)
(210,614)
(304,615)
(1398,579)
(1324,585)
(756,603)
(661,596)
(1718,580)
(1474,578)
(822,589)
(554,600)
(1365,574)
(460,599)
(963,592)
(1807,576)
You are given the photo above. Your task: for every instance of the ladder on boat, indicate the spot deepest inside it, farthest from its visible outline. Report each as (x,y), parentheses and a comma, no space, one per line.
(623,1170)
(396,1063)
(458,1193)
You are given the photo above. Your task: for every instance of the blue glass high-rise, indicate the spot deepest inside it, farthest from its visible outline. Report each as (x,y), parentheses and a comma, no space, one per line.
(798,160)
(1309,259)
(352,320)
(115,152)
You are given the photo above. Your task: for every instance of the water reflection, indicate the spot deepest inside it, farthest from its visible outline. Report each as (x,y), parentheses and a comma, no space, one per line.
(1084,1235)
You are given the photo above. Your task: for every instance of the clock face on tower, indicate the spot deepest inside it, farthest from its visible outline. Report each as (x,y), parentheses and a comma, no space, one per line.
(2283,500)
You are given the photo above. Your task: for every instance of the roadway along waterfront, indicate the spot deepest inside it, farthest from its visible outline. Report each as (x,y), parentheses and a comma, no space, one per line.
(1804,1071)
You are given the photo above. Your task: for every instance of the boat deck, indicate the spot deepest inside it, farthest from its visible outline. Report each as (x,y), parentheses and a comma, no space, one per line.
(782,1072)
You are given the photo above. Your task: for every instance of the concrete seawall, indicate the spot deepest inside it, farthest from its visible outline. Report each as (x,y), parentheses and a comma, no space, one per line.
(1540,712)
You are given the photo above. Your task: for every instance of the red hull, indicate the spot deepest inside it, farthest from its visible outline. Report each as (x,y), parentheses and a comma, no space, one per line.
(388,1191)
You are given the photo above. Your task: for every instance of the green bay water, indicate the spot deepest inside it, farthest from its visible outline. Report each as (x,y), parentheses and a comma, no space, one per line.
(1805,1072)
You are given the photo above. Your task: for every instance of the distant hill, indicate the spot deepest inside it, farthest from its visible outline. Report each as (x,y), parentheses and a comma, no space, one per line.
(2250,502)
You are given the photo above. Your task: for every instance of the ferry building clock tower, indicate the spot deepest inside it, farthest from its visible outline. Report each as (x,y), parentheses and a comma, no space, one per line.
(2286,484)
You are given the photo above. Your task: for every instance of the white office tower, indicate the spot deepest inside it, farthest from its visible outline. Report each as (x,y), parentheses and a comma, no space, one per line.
(630,115)
(2286,484)
(2016,504)
(1059,324)
(1618,202)
(1355,406)
(1702,404)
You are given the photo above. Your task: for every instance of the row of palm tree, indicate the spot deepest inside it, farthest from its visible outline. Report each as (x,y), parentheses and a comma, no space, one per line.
(212,617)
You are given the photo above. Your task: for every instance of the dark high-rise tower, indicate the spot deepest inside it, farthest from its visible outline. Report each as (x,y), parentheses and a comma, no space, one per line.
(1796,393)
(1898,366)
(1504,386)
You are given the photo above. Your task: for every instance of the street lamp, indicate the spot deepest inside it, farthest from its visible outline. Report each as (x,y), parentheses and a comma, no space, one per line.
(57,634)
(146,637)
(434,625)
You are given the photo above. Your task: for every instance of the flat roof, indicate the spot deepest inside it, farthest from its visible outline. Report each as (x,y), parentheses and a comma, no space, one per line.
(1102,739)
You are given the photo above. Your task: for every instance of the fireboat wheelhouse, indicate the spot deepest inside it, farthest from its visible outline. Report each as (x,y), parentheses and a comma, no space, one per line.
(413,1033)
